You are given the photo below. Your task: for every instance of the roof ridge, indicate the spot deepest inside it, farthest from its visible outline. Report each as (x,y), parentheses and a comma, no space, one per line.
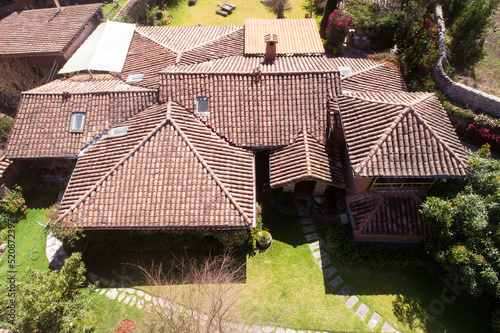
(91,92)
(308,158)
(165,47)
(369,217)
(205,165)
(178,60)
(426,95)
(363,71)
(381,140)
(113,169)
(437,137)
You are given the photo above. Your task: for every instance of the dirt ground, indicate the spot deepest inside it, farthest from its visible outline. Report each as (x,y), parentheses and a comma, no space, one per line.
(486,76)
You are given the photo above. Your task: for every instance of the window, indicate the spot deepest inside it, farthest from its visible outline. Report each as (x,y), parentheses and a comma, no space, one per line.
(118,131)
(345,70)
(77,122)
(134,77)
(202,106)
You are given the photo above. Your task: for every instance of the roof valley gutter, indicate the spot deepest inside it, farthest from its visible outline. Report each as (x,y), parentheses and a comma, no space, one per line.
(87,147)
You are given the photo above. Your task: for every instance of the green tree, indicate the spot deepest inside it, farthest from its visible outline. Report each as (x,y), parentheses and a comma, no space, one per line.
(278,7)
(51,301)
(467,232)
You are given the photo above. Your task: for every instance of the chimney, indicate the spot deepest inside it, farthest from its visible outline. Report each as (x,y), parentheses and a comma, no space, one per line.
(58,5)
(271,41)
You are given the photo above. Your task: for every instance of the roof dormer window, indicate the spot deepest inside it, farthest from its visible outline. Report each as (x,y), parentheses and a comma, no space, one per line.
(202,106)
(77,122)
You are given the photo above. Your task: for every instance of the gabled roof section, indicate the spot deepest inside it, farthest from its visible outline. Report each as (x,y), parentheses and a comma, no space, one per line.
(44,31)
(368,75)
(42,125)
(306,159)
(148,58)
(186,176)
(389,214)
(259,107)
(296,36)
(185,38)
(400,135)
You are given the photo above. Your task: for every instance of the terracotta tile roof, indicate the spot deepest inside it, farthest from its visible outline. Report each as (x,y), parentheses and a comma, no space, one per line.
(225,46)
(387,213)
(257,110)
(182,39)
(42,124)
(146,57)
(400,135)
(84,83)
(168,171)
(368,75)
(306,159)
(4,164)
(246,65)
(44,31)
(295,36)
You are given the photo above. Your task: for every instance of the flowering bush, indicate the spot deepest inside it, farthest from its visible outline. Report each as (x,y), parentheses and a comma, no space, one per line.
(487,122)
(13,205)
(479,135)
(337,28)
(424,52)
(126,326)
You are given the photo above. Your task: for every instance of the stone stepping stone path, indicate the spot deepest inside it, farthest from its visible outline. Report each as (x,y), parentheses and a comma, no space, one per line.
(329,272)
(352,301)
(362,310)
(344,292)
(374,320)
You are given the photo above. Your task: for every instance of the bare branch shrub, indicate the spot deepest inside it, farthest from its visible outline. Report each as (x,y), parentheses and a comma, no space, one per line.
(16,76)
(278,7)
(193,296)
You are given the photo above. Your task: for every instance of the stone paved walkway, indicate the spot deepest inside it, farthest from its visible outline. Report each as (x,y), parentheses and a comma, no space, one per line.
(335,281)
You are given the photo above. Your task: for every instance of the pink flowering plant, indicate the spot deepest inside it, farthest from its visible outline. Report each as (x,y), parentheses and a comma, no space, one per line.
(14,204)
(487,122)
(337,29)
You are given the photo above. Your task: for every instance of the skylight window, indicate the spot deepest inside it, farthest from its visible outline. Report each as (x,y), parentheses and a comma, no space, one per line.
(207,63)
(77,122)
(135,77)
(85,84)
(118,131)
(348,92)
(345,70)
(202,106)
(122,87)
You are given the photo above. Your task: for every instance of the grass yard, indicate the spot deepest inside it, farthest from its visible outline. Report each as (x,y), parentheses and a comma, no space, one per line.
(107,314)
(204,12)
(29,252)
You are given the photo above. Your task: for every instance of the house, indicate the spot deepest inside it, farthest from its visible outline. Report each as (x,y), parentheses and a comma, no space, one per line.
(44,39)
(176,132)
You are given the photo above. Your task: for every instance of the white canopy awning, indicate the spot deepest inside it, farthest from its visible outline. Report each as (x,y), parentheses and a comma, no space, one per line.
(104,50)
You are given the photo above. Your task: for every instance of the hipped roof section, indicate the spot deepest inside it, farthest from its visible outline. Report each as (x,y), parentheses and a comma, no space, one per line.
(167,171)
(400,135)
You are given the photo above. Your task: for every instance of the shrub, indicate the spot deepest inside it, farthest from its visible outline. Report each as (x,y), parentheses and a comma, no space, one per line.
(338,28)
(467,33)
(479,135)
(382,19)
(13,206)
(5,127)
(487,122)
(278,7)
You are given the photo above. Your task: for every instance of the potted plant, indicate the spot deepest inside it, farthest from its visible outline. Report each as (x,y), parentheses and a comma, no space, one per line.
(263,238)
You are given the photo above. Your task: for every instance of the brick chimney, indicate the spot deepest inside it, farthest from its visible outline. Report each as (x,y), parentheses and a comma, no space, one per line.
(271,41)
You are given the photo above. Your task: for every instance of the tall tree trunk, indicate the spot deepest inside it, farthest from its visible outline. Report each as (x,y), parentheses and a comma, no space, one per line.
(329,8)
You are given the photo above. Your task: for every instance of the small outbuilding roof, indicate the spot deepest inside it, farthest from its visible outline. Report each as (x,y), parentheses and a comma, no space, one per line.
(44,31)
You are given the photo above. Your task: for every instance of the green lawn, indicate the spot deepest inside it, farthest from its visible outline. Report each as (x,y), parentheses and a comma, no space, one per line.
(28,254)
(204,12)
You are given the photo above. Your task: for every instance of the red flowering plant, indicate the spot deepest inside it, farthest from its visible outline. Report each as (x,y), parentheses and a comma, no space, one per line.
(423,54)
(13,207)
(338,28)
(126,326)
(480,135)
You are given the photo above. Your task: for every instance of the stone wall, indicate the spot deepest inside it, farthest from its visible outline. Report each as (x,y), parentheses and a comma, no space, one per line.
(475,99)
